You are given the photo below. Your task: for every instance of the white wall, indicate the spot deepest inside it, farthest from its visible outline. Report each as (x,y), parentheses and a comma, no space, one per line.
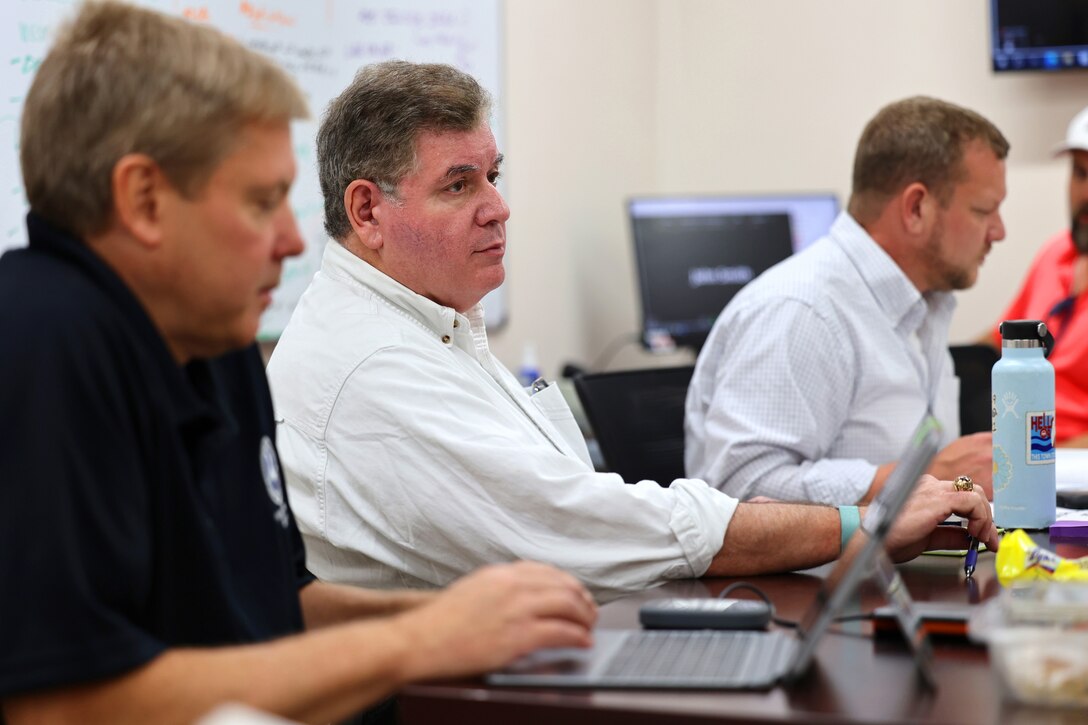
(580,136)
(609,98)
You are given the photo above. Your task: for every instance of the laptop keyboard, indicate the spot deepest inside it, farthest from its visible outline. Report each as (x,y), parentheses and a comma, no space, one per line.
(709,656)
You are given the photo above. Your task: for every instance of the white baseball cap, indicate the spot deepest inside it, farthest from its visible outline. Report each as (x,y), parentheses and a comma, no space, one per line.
(1076,138)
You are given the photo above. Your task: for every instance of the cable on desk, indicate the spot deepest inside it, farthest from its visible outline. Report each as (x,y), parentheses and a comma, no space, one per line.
(762,595)
(612,348)
(781,622)
(750,587)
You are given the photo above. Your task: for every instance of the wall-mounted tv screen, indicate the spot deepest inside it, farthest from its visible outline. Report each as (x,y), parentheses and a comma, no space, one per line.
(1039,35)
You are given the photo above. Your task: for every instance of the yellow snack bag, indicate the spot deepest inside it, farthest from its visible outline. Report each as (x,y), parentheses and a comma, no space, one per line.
(1020,560)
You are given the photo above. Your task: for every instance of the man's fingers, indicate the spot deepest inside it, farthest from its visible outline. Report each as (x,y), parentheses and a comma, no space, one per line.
(561,604)
(976,509)
(546,575)
(972,505)
(555,633)
(947,537)
(536,591)
(987,534)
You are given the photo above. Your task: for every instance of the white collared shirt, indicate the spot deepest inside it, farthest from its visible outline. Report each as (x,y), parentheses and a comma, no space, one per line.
(413,456)
(817,372)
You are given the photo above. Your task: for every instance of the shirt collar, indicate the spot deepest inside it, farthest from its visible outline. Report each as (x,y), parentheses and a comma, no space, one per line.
(444,322)
(904,306)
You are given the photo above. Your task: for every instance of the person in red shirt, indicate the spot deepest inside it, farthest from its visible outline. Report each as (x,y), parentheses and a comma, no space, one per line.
(1055,291)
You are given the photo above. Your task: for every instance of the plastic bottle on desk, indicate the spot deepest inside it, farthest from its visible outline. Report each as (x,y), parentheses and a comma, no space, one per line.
(529,370)
(1023,427)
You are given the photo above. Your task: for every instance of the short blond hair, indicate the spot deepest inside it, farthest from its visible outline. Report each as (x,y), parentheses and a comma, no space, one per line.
(121,79)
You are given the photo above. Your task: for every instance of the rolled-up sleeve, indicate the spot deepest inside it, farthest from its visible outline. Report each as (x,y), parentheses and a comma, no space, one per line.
(433,479)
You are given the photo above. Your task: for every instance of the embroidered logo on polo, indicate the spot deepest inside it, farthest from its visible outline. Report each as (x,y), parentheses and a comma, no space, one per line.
(270,471)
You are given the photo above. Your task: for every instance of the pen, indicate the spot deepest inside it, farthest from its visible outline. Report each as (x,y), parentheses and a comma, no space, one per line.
(972,556)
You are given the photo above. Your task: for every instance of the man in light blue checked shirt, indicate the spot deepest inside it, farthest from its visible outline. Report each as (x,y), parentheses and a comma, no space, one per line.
(816,373)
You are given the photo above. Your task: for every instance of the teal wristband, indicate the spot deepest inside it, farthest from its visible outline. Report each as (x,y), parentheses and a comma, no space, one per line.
(849,522)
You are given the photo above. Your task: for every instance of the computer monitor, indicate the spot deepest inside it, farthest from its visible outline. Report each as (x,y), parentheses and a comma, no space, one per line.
(1030,35)
(694,253)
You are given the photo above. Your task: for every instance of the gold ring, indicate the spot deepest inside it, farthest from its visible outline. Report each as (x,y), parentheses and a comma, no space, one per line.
(963,483)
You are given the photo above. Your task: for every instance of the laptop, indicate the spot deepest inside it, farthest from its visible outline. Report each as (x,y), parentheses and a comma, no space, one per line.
(730,659)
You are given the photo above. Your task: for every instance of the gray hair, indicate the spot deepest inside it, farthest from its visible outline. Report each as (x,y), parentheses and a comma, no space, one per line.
(369,131)
(120,80)
(917,139)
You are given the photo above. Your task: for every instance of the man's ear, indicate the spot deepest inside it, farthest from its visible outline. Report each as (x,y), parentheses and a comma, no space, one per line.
(138,184)
(916,207)
(362,202)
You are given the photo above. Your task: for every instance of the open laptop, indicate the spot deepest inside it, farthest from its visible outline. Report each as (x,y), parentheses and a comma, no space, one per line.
(716,659)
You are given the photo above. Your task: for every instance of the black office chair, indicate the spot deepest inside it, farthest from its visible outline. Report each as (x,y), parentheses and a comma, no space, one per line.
(972,364)
(638,419)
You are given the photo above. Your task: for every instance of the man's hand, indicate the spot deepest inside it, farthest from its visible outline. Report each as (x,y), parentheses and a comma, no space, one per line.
(478,623)
(495,615)
(971,455)
(917,528)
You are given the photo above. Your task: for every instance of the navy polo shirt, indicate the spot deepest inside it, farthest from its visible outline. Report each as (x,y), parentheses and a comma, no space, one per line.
(141,502)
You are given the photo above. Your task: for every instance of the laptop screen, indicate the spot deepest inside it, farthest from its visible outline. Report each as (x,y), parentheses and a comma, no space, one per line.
(864,556)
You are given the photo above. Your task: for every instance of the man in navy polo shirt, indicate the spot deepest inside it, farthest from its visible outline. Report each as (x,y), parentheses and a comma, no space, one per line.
(151,564)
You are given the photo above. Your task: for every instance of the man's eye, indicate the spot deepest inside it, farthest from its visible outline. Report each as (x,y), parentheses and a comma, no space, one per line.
(456,186)
(493,177)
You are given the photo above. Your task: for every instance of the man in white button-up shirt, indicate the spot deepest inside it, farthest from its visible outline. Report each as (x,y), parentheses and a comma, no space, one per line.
(816,373)
(412,454)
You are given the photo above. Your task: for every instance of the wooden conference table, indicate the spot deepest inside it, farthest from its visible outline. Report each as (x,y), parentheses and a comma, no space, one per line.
(857,676)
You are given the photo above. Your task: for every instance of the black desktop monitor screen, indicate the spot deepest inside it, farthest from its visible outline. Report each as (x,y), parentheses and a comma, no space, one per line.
(1039,35)
(694,254)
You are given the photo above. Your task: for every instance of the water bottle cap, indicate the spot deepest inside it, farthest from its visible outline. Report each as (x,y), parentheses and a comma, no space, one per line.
(1023,330)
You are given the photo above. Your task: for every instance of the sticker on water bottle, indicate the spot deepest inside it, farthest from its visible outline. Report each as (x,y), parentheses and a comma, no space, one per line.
(1040,437)
(993,413)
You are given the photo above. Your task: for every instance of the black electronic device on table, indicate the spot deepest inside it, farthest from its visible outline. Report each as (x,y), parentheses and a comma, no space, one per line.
(705,613)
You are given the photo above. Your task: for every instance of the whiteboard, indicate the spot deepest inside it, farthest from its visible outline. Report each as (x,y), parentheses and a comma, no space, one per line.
(320,42)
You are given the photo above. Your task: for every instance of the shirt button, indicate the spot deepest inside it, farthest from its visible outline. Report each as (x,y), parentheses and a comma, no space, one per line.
(456,324)
(446,339)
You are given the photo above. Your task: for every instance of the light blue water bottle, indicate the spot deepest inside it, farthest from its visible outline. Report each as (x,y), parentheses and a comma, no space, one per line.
(1023,427)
